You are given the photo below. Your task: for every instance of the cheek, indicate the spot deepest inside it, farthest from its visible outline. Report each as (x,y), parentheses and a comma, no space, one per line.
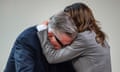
(54,42)
(66,40)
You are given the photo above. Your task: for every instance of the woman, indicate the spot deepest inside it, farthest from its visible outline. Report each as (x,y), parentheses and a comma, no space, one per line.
(89,51)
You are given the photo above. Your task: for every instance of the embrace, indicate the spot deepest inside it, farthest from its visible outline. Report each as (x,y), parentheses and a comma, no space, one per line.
(70,41)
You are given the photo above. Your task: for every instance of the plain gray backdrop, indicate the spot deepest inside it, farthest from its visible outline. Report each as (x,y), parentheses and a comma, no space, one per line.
(17,15)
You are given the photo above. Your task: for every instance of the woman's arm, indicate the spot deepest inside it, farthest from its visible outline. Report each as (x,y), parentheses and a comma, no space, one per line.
(60,55)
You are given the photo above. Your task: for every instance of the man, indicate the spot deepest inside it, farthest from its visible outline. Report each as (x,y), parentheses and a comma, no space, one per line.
(27,56)
(61,28)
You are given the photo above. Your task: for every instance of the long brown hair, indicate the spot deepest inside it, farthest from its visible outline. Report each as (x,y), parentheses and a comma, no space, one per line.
(84,20)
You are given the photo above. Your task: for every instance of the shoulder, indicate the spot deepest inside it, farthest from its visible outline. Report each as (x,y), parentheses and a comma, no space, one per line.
(28,37)
(87,35)
(27,32)
(86,38)
(31,31)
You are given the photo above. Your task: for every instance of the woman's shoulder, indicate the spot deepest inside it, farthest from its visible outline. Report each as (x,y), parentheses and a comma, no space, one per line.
(87,34)
(87,38)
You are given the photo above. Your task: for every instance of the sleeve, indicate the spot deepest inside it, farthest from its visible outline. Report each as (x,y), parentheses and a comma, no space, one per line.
(23,55)
(63,54)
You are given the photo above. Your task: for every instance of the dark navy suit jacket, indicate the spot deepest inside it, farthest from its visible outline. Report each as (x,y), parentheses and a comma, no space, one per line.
(26,56)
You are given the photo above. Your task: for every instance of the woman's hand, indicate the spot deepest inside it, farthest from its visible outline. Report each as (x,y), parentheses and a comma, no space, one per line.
(45,22)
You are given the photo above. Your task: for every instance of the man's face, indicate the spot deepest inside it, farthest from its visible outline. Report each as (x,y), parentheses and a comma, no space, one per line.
(64,38)
(53,40)
(59,40)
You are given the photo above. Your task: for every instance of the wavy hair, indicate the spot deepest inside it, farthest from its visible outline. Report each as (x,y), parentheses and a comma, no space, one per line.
(83,17)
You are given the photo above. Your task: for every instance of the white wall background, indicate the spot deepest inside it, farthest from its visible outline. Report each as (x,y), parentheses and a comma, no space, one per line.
(16,15)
